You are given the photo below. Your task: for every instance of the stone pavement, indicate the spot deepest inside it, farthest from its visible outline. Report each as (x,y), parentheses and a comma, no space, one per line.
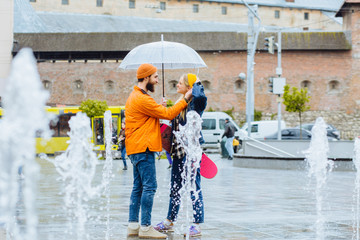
(240,203)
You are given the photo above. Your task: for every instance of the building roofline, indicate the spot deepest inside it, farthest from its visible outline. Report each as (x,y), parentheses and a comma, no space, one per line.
(209,41)
(344,6)
(269,4)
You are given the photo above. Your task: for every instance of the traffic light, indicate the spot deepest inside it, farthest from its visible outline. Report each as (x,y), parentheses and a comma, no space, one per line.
(271,85)
(269,44)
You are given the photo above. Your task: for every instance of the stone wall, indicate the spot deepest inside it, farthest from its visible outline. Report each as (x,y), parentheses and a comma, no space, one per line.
(183,10)
(347,124)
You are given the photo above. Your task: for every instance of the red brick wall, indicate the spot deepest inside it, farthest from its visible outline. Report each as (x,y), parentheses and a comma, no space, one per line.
(318,67)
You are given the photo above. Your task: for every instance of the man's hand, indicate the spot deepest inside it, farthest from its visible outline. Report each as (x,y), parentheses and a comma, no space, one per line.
(163,102)
(188,94)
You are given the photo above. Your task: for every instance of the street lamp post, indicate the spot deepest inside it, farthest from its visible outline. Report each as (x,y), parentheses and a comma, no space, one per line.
(253,35)
(279,73)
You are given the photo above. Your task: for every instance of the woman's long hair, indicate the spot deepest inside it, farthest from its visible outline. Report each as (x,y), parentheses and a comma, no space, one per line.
(186,82)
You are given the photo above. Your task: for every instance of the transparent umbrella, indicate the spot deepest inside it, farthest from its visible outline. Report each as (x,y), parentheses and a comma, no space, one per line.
(164,55)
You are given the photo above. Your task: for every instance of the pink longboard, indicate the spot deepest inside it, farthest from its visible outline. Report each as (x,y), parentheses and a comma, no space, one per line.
(208,168)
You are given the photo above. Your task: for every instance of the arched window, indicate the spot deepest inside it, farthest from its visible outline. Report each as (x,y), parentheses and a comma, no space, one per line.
(239,85)
(172,86)
(109,86)
(306,84)
(206,85)
(334,86)
(78,86)
(47,84)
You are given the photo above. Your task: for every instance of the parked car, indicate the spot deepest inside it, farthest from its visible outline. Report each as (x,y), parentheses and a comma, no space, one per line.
(291,134)
(331,130)
(213,128)
(260,129)
(294,134)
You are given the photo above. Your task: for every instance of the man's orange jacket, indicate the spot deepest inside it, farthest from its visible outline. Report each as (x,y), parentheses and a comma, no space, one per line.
(142,124)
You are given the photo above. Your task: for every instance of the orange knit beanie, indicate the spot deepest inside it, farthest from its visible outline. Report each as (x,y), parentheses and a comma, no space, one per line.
(145,70)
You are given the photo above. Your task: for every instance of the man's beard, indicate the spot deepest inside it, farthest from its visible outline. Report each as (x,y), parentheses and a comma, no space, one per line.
(150,87)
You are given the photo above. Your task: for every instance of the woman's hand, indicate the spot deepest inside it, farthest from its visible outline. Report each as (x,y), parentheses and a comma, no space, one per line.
(163,102)
(188,94)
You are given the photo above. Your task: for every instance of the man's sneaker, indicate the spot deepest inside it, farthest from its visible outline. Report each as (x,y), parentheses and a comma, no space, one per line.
(194,231)
(162,227)
(150,232)
(133,230)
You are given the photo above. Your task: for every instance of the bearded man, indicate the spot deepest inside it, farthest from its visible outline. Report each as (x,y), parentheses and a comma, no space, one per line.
(143,139)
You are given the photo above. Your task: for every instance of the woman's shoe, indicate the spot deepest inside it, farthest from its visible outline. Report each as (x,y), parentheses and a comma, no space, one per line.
(162,227)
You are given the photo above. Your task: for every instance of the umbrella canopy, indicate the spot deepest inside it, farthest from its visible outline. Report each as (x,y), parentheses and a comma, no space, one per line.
(164,55)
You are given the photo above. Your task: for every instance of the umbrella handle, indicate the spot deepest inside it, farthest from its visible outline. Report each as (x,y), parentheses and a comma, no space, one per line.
(163,79)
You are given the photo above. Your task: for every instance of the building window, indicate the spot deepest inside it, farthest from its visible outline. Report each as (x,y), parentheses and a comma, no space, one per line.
(32,0)
(99,3)
(195,8)
(277,14)
(78,86)
(239,85)
(109,86)
(206,85)
(223,10)
(172,86)
(47,84)
(306,84)
(131,3)
(163,6)
(306,16)
(64,2)
(334,86)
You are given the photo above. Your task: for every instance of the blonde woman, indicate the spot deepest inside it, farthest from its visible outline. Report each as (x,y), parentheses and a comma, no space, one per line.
(197,103)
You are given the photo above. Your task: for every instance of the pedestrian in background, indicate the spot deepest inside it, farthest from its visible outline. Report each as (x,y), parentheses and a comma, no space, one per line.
(143,139)
(122,144)
(229,133)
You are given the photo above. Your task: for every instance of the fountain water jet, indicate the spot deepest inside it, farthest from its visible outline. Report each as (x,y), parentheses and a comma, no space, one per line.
(24,118)
(188,136)
(319,167)
(77,167)
(356,161)
(107,170)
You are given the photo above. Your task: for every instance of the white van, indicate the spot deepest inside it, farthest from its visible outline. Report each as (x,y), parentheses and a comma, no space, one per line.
(213,128)
(261,129)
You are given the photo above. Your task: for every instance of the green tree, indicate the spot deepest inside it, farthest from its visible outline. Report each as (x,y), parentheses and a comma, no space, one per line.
(169,103)
(295,101)
(230,112)
(93,108)
(257,115)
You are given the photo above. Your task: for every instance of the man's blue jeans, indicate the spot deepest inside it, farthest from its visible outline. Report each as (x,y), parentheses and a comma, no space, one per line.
(176,184)
(144,187)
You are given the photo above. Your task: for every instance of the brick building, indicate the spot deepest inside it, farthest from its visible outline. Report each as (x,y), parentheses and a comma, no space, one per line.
(325,62)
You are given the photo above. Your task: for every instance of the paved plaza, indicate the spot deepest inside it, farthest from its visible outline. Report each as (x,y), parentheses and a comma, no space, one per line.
(240,203)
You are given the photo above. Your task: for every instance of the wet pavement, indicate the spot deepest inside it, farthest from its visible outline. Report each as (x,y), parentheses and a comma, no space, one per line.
(240,203)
